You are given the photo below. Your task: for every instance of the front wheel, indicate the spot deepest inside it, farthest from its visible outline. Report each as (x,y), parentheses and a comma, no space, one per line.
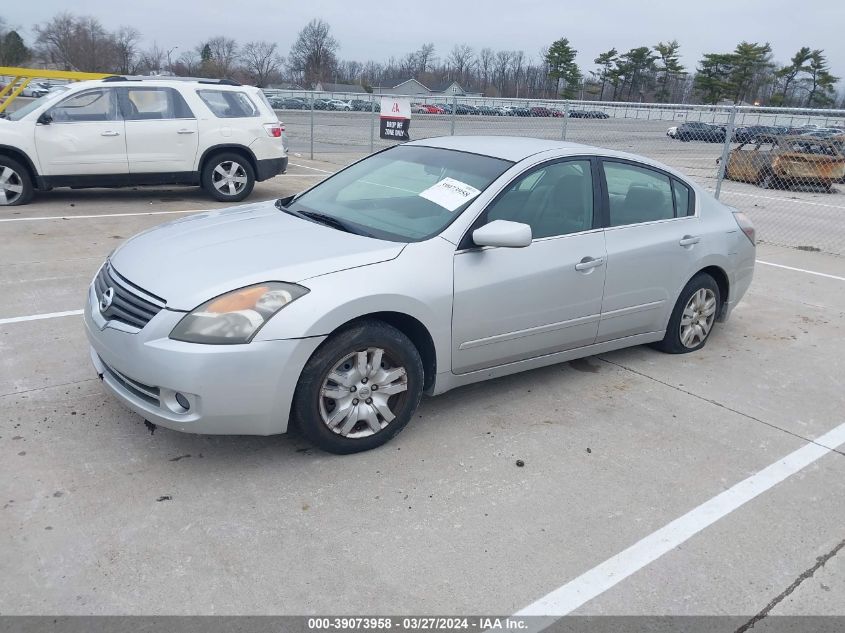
(228,177)
(359,389)
(693,316)
(15,184)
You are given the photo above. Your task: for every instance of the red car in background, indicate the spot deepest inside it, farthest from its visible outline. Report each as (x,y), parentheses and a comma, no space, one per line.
(427,108)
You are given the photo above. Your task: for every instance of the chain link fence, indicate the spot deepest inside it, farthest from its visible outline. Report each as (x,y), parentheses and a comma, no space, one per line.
(784,167)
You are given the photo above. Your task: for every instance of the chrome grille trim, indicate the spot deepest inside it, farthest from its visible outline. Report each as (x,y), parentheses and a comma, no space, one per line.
(130,304)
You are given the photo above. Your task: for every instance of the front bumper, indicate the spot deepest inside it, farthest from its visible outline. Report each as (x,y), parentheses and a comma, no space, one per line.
(269,167)
(232,389)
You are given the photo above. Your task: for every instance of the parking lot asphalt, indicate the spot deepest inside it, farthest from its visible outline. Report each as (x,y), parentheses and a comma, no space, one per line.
(101,516)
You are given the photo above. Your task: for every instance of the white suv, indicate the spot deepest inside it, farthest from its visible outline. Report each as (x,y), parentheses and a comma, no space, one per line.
(123,131)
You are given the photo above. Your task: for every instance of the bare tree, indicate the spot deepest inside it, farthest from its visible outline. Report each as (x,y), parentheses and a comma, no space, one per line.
(126,41)
(503,60)
(152,59)
(486,58)
(261,62)
(187,64)
(219,55)
(76,43)
(313,55)
(425,58)
(517,60)
(460,59)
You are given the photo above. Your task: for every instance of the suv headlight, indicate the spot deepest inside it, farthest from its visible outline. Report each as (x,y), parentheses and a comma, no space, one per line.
(236,317)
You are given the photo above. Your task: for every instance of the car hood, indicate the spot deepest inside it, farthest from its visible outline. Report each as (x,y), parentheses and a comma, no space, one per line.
(196,258)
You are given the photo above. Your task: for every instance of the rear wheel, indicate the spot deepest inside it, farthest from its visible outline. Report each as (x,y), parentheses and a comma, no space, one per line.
(693,316)
(228,177)
(15,183)
(359,389)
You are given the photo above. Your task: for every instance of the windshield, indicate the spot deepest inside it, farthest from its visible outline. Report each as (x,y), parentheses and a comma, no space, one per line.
(406,194)
(20,113)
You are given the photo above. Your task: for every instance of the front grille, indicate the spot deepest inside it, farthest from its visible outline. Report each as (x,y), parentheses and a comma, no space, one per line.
(129,303)
(138,389)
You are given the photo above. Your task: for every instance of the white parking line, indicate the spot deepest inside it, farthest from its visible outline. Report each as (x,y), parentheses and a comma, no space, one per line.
(311,168)
(617,568)
(38,317)
(100,215)
(801,270)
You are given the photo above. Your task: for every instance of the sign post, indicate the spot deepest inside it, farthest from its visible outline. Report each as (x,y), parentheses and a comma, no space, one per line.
(395,119)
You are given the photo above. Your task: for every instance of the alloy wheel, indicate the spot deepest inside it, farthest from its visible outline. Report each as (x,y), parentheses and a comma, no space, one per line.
(229,178)
(11,186)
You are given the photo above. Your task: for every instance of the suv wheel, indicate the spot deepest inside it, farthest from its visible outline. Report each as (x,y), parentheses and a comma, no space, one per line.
(359,389)
(228,177)
(15,184)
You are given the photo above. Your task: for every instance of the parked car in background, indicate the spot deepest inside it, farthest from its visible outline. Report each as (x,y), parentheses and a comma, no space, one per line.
(748,133)
(488,110)
(366,105)
(696,131)
(322,104)
(290,103)
(540,111)
(119,132)
(672,132)
(36,89)
(338,105)
(780,162)
(588,114)
(336,308)
(517,111)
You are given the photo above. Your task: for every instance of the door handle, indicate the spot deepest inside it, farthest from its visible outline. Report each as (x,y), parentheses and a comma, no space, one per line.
(185,131)
(588,263)
(689,240)
(110,133)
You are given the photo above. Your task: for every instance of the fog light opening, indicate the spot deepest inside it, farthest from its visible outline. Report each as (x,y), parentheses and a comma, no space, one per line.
(182,401)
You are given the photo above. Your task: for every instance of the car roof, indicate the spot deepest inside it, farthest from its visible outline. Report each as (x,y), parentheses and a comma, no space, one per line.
(513,148)
(158,82)
(517,148)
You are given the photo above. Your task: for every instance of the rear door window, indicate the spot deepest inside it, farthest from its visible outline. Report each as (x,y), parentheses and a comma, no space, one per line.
(637,194)
(228,104)
(141,104)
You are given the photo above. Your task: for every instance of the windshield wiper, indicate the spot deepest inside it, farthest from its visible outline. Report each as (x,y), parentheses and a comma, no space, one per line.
(332,221)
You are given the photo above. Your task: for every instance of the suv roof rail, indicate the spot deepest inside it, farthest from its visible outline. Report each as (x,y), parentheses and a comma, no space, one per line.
(219,82)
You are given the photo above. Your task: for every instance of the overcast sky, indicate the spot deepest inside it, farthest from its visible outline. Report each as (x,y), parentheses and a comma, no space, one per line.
(368,29)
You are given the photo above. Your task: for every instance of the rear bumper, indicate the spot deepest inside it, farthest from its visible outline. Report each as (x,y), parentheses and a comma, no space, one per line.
(268,167)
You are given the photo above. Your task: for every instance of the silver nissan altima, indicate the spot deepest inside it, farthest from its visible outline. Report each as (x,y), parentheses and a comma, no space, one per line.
(424,267)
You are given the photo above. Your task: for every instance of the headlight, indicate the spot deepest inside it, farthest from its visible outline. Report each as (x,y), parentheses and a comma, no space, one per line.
(236,316)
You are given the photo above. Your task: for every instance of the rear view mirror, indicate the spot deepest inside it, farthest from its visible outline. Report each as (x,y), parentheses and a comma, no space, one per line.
(45,119)
(503,233)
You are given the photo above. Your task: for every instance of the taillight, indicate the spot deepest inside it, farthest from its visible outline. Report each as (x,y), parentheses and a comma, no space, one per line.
(274,129)
(746,226)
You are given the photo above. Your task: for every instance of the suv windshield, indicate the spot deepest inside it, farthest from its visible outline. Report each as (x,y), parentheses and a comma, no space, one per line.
(20,113)
(406,194)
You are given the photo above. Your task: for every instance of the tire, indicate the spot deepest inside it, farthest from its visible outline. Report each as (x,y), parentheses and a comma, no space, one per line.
(15,183)
(767,180)
(228,163)
(333,429)
(696,296)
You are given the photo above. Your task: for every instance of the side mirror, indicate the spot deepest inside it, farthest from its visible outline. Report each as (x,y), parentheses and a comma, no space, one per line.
(45,119)
(503,233)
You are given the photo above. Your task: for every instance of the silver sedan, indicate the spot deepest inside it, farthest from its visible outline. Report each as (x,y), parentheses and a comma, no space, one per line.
(424,267)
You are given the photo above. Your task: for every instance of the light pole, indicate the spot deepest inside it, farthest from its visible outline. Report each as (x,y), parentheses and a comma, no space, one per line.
(170,63)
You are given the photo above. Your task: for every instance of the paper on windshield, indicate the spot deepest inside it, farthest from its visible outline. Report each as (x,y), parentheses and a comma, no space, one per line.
(450,193)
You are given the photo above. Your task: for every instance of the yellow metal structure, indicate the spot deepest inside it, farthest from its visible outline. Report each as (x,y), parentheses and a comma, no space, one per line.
(22,76)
